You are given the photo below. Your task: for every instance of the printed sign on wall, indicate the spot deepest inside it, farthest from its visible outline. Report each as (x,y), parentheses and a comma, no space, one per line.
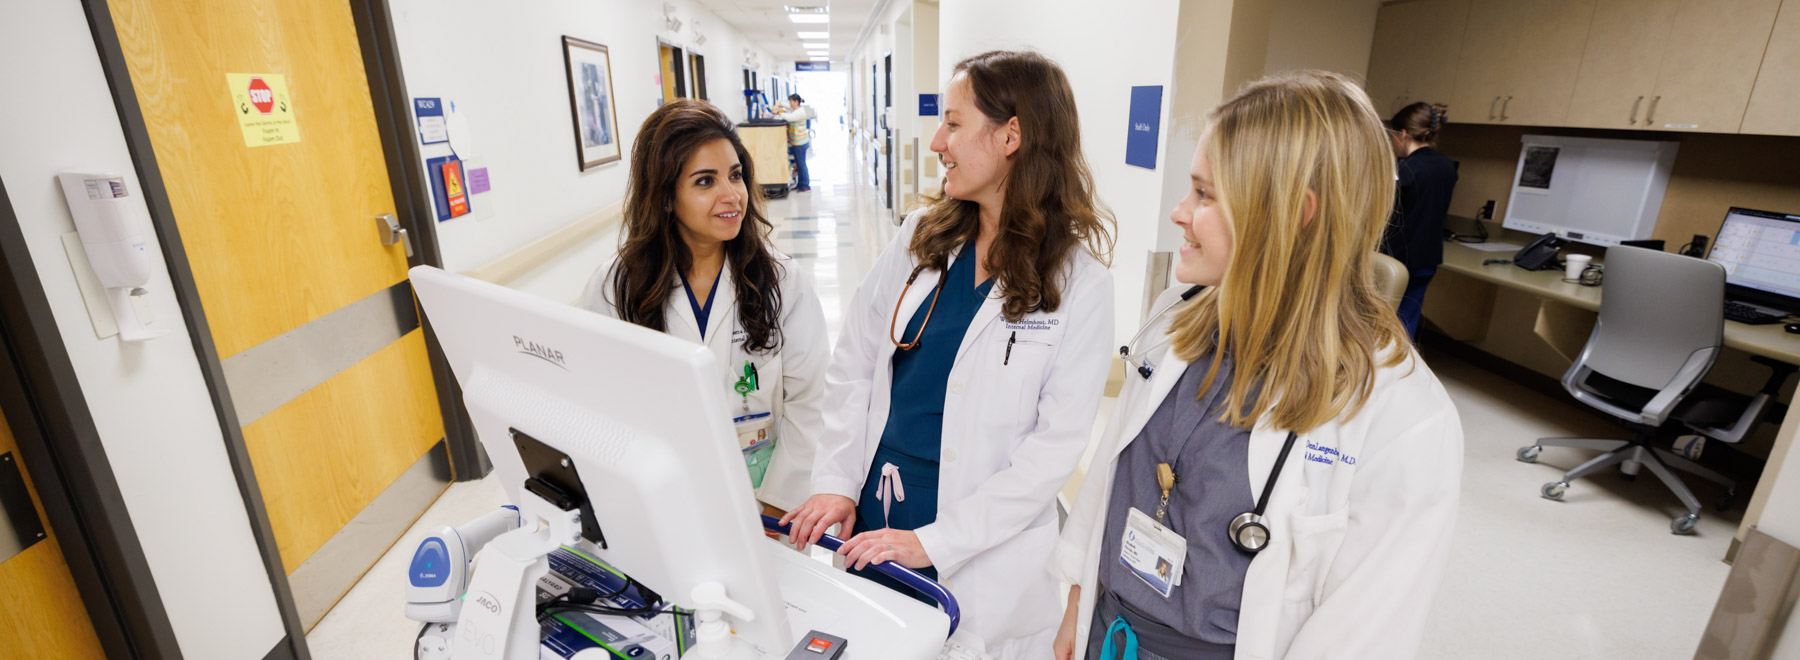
(928,105)
(1146,124)
(263,108)
(432,129)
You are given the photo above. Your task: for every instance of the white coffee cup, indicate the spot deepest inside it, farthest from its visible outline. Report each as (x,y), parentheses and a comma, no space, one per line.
(1573,265)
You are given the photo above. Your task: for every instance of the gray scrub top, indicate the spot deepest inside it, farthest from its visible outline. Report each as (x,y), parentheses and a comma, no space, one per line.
(1210,460)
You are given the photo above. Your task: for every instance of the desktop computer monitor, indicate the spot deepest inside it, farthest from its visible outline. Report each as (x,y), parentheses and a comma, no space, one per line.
(645,424)
(1760,251)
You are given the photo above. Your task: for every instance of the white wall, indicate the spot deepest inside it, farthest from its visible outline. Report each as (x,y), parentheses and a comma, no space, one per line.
(1105,50)
(501,64)
(148,400)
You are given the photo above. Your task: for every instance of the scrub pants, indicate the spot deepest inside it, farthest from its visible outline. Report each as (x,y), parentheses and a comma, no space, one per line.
(919,481)
(1412,305)
(803,177)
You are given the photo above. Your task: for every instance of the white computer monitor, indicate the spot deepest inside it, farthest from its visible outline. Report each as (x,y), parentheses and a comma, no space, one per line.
(1592,190)
(1760,251)
(645,422)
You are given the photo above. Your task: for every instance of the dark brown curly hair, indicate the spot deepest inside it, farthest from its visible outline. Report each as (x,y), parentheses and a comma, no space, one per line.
(651,251)
(1049,208)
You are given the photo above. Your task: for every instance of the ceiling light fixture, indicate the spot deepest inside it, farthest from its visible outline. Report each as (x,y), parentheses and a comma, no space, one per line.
(818,58)
(809,18)
(813,35)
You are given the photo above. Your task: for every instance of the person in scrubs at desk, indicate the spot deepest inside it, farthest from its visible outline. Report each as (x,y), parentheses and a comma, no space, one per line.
(973,358)
(695,262)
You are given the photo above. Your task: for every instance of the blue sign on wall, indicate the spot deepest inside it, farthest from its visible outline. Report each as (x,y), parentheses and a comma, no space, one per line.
(430,113)
(1146,124)
(812,66)
(928,105)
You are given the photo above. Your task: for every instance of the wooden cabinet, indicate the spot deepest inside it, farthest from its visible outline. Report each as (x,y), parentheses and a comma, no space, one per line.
(1775,100)
(1415,54)
(1710,64)
(1618,69)
(1519,61)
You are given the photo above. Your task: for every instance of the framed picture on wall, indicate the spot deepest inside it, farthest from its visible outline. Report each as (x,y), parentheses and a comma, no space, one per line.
(591,102)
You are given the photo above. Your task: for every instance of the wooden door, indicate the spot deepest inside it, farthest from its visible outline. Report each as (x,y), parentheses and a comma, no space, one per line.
(1618,69)
(1777,92)
(1392,55)
(42,615)
(283,243)
(1711,64)
(1545,59)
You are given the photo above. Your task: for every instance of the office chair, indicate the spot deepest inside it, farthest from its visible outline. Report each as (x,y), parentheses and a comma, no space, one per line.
(1390,279)
(1661,326)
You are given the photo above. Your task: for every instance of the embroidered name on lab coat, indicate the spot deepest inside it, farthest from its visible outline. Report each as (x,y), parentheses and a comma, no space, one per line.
(738,336)
(1033,324)
(1327,455)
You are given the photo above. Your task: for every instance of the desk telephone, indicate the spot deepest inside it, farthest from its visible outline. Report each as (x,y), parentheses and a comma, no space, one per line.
(1541,254)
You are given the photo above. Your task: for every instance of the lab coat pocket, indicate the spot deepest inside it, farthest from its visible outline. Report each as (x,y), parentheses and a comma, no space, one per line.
(1315,543)
(1023,366)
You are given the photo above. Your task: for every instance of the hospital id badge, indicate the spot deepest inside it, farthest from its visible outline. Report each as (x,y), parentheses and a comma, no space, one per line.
(1152,552)
(754,431)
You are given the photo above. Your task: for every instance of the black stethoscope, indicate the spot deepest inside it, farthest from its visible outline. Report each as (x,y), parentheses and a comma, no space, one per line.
(1246,531)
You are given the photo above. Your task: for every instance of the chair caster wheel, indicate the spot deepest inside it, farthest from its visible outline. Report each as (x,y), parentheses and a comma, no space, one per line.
(1726,501)
(1554,490)
(1684,525)
(1529,454)
(1627,476)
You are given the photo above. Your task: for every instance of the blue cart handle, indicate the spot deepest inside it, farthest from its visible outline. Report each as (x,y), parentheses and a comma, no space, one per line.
(906,576)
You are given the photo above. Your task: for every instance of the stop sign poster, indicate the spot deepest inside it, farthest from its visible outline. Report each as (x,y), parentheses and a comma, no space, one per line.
(263,108)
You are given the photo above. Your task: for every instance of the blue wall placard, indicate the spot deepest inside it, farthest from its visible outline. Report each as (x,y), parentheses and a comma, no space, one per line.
(812,66)
(430,114)
(928,105)
(1146,124)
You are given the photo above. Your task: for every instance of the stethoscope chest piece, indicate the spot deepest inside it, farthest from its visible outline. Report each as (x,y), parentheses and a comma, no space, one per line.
(1248,532)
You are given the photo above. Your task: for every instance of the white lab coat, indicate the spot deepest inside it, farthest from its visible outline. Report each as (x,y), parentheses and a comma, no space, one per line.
(1360,519)
(1014,428)
(792,379)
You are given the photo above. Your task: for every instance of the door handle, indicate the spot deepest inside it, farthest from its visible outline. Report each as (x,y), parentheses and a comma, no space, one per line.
(1503,105)
(1651,112)
(1491,105)
(392,232)
(1634,107)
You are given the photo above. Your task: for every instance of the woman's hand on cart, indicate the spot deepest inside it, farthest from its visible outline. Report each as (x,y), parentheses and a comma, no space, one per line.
(811,520)
(884,545)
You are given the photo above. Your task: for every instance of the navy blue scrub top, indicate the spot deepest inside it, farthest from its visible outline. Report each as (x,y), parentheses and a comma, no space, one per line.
(701,311)
(915,425)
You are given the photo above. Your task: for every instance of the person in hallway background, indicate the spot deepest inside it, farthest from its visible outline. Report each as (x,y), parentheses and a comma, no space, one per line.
(973,358)
(1288,453)
(695,261)
(1415,233)
(796,113)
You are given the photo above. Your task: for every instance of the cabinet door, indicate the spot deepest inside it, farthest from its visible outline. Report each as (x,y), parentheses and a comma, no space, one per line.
(1618,69)
(1391,56)
(1710,64)
(1774,100)
(1440,34)
(1480,72)
(1546,56)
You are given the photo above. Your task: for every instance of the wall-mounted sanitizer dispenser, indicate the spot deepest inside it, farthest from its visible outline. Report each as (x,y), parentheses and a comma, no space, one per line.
(113,238)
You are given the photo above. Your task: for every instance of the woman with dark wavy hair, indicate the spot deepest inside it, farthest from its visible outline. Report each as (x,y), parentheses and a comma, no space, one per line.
(973,358)
(695,262)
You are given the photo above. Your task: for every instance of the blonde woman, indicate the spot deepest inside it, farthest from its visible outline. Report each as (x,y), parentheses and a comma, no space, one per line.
(1278,444)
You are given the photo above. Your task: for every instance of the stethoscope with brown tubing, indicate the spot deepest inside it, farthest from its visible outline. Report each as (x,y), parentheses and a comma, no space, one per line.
(1246,531)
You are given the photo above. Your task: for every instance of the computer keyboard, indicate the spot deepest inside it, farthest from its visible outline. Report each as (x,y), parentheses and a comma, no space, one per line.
(1742,313)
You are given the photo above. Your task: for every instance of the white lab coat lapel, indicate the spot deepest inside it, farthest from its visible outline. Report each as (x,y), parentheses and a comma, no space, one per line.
(1167,373)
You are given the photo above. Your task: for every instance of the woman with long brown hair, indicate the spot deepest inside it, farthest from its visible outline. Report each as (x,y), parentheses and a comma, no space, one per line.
(973,358)
(695,262)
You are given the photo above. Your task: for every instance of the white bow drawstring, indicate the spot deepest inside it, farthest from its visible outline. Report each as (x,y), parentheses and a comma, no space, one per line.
(889,490)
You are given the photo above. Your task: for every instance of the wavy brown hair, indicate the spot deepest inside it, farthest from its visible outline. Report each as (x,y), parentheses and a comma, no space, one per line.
(1048,209)
(652,253)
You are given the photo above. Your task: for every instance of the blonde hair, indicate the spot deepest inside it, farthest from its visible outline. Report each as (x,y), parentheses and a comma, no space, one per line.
(1297,307)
